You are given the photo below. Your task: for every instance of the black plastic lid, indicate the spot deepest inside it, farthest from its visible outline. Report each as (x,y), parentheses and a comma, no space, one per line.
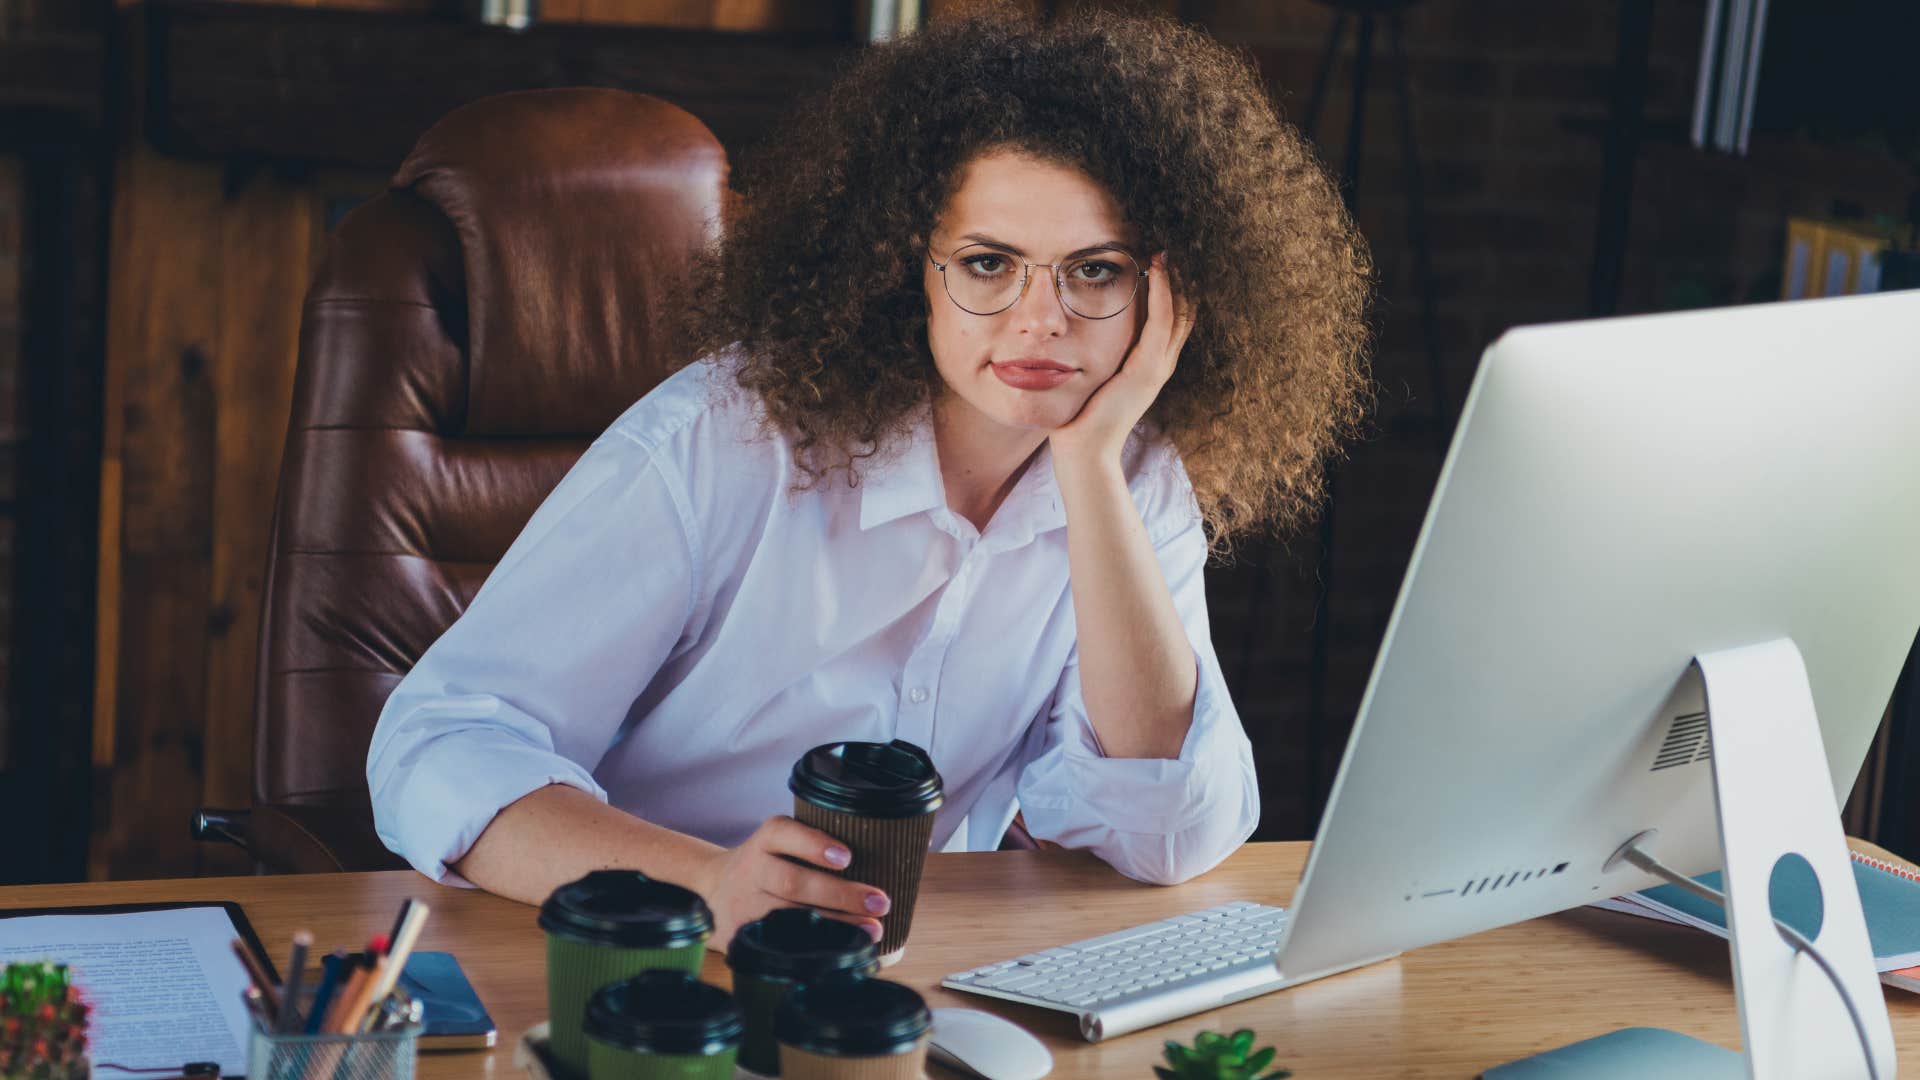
(665,1012)
(626,909)
(801,944)
(895,779)
(853,1017)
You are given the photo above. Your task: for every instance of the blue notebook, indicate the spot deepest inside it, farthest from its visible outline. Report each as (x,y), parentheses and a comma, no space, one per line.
(1888,897)
(453,1015)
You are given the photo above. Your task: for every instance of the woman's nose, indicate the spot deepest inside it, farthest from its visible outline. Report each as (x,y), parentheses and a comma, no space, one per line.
(1040,309)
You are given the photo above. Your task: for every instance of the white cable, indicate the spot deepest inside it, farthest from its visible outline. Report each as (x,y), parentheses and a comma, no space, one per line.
(1640,859)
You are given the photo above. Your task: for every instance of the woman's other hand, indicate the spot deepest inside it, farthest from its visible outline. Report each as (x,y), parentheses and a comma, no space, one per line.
(776,868)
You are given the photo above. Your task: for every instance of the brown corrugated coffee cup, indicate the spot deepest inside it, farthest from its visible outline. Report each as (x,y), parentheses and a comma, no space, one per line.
(879,800)
(853,1029)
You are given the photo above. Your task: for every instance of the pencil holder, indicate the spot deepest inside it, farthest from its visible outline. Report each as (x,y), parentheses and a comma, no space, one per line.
(374,1055)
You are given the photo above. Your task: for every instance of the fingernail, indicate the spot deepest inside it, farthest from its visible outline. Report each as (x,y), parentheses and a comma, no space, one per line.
(877,903)
(838,856)
(873,928)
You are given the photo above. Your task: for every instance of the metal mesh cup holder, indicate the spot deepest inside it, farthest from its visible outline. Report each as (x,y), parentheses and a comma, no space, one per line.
(375,1055)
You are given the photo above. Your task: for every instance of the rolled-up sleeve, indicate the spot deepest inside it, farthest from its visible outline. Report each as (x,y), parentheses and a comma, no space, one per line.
(531,685)
(1158,820)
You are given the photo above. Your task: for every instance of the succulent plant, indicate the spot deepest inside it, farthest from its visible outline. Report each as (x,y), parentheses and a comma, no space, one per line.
(1214,1056)
(43,1024)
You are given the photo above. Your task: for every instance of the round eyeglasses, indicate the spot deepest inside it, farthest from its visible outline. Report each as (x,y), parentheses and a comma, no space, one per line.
(986,280)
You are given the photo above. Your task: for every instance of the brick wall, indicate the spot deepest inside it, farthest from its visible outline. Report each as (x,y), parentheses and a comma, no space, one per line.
(1510,105)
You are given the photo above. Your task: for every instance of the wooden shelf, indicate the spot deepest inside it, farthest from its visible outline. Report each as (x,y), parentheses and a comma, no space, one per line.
(327,87)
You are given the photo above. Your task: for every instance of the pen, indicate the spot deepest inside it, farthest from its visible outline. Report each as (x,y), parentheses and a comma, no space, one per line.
(330,976)
(399,920)
(296,971)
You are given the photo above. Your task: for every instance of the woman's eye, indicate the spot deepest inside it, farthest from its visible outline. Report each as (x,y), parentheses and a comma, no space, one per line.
(1095,273)
(985,265)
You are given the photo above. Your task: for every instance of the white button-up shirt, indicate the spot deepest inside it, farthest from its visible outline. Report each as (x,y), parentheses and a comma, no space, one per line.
(675,626)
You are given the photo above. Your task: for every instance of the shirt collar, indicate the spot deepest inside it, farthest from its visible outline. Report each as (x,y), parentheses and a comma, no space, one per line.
(909,483)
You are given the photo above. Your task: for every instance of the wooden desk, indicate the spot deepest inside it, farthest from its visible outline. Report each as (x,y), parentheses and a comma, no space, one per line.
(1447,1010)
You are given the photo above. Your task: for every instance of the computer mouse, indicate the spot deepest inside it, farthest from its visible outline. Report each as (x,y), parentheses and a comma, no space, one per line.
(981,1044)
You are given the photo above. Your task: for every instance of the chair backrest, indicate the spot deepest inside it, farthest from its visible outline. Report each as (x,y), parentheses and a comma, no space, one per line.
(470,332)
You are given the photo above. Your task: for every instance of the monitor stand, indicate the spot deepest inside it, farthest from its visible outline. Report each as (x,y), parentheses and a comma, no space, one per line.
(1776,808)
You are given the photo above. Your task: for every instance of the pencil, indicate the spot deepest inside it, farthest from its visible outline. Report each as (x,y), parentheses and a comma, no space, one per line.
(257,1006)
(269,990)
(349,992)
(353,1008)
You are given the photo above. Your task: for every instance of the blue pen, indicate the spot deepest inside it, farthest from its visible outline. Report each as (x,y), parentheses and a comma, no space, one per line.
(332,969)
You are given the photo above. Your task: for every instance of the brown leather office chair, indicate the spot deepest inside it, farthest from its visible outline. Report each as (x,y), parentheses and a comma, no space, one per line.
(469,333)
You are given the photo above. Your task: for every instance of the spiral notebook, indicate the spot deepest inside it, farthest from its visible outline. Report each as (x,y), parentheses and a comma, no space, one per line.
(1889,897)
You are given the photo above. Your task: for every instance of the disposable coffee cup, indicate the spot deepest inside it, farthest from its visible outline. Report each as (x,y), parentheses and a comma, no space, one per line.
(786,948)
(662,1025)
(878,799)
(853,1029)
(609,926)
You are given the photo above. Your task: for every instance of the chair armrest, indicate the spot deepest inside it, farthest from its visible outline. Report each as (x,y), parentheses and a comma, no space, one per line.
(302,839)
(212,823)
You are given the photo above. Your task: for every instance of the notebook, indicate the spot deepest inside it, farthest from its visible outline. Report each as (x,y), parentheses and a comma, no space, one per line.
(1889,897)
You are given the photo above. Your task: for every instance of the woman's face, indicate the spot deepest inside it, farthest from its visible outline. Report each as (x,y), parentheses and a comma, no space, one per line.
(1032,366)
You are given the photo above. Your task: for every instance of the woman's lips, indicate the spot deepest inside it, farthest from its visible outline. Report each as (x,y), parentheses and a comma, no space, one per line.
(1032,374)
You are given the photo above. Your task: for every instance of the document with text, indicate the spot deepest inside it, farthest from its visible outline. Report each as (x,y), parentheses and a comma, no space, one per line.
(164,985)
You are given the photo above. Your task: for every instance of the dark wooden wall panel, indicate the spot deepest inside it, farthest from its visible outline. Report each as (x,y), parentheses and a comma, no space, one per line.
(164,306)
(266,252)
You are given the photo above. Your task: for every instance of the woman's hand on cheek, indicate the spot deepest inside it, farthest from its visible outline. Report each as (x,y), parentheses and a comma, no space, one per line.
(1096,435)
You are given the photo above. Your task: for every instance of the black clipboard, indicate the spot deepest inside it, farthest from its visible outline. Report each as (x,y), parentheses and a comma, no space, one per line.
(235,915)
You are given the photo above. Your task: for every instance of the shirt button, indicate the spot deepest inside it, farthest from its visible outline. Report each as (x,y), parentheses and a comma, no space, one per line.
(917,695)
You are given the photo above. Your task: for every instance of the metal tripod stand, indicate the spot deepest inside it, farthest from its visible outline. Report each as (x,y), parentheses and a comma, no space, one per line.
(1369,15)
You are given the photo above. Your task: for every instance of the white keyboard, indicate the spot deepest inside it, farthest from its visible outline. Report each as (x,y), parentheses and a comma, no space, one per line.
(1144,975)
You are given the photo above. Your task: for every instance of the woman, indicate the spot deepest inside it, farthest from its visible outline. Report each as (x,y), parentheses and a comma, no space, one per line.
(1006,336)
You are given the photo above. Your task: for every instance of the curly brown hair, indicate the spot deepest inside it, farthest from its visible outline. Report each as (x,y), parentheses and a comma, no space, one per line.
(818,277)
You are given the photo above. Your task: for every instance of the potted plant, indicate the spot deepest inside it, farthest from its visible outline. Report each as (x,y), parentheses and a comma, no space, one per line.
(43,1024)
(1214,1056)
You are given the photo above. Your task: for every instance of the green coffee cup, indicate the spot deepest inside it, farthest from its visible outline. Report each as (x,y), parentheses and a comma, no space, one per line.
(662,1025)
(609,926)
(849,1028)
(786,948)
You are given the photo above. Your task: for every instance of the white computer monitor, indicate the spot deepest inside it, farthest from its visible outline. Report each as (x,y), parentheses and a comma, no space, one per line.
(1620,496)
